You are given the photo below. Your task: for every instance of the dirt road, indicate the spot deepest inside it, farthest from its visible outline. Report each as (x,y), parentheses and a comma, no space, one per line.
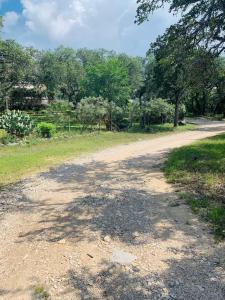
(108,226)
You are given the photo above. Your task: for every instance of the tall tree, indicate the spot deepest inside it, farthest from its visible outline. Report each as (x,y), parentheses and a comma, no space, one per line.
(202,21)
(14,63)
(169,69)
(109,80)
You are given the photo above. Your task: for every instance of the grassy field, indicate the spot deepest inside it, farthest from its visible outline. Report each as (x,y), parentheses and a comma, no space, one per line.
(38,154)
(200,168)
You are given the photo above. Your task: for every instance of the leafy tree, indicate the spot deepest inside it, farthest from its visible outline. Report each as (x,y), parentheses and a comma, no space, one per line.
(202,21)
(218,91)
(14,63)
(136,70)
(170,69)
(50,73)
(109,80)
(201,76)
(73,74)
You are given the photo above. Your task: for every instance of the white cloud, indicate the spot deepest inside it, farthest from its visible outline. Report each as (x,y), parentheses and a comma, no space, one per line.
(87,23)
(10,19)
(56,18)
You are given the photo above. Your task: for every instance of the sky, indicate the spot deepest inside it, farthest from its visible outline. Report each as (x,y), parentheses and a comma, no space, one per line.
(109,24)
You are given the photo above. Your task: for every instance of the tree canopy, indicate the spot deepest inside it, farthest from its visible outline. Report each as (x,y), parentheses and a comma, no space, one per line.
(202,21)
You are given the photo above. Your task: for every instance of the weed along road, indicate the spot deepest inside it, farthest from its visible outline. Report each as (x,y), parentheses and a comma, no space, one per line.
(109,226)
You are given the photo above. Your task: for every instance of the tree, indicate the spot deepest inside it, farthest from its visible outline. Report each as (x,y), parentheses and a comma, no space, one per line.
(202,21)
(170,69)
(50,73)
(73,74)
(136,70)
(109,80)
(201,75)
(14,63)
(218,91)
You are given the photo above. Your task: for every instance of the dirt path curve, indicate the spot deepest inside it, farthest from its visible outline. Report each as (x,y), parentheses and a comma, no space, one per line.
(108,226)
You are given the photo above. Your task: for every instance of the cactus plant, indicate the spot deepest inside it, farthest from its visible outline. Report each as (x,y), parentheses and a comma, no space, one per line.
(16,123)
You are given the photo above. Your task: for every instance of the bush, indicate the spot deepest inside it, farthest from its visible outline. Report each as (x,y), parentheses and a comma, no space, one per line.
(3,136)
(92,111)
(60,112)
(95,111)
(16,123)
(159,111)
(120,120)
(46,130)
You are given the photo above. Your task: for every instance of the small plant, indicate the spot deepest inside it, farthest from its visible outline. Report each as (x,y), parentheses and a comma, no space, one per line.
(16,123)
(41,293)
(3,136)
(46,130)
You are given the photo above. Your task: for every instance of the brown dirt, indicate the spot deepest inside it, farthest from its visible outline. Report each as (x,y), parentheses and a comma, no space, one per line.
(60,229)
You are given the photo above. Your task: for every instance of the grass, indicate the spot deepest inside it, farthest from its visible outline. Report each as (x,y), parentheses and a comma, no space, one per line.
(41,293)
(161,128)
(200,168)
(36,155)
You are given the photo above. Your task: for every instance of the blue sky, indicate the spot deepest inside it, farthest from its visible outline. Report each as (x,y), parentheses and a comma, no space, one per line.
(46,24)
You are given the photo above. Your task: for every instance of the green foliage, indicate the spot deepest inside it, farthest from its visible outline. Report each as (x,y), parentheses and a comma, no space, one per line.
(3,133)
(16,123)
(24,159)
(41,293)
(118,116)
(46,130)
(60,112)
(15,65)
(201,22)
(159,111)
(109,80)
(201,169)
(3,136)
(92,111)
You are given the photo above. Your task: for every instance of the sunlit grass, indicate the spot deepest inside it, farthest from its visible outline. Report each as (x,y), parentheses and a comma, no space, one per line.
(200,167)
(39,154)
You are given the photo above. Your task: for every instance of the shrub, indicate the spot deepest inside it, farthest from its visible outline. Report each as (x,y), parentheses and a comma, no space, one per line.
(159,111)
(120,120)
(94,111)
(91,111)
(3,136)
(46,130)
(60,112)
(16,123)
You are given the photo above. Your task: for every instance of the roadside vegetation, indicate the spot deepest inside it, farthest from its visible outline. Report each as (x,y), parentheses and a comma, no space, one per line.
(199,170)
(34,153)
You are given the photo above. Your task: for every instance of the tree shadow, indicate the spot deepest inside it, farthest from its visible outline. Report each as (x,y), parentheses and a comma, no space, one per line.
(12,199)
(195,276)
(115,202)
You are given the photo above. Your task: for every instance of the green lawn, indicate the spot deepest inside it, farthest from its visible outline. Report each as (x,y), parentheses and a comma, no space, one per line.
(200,168)
(37,155)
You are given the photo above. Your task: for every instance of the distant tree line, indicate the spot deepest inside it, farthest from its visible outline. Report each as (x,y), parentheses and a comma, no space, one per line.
(174,74)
